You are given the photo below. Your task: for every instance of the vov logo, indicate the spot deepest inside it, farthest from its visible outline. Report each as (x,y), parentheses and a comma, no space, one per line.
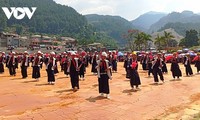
(19,12)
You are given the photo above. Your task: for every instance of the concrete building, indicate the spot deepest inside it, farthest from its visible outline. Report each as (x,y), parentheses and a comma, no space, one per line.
(24,41)
(8,39)
(69,42)
(3,40)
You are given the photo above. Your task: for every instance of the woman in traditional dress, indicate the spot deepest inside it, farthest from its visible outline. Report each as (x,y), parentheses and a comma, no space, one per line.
(50,68)
(134,76)
(175,69)
(197,62)
(2,60)
(187,64)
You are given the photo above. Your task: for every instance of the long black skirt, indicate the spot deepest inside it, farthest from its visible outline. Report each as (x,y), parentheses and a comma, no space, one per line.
(197,64)
(51,76)
(65,69)
(128,72)
(114,65)
(134,78)
(1,68)
(94,70)
(176,72)
(36,72)
(164,68)
(74,78)
(104,84)
(56,70)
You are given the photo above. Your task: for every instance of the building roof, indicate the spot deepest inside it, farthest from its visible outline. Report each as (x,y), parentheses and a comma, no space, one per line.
(68,39)
(36,36)
(46,41)
(10,34)
(35,40)
(23,37)
(95,44)
(46,37)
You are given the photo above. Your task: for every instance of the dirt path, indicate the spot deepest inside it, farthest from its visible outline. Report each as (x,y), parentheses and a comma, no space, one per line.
(26,99)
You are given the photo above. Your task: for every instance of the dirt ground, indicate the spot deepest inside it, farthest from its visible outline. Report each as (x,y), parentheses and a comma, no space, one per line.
(27,99)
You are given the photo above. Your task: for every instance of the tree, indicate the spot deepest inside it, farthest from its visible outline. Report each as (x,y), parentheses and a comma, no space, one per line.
(145,39)
(3,23)
(191,39)
(168,36)
(138,41)
(159,42)
(130,37)
(49,18)
(19,29)
(173,43)
(182,42)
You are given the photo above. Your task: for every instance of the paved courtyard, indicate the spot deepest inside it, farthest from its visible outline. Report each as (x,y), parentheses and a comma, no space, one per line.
(26,99)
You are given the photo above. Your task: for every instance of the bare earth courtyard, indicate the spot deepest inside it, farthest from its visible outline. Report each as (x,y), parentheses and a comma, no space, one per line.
(26,99)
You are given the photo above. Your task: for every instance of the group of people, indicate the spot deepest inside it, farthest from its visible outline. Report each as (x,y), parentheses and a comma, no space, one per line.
(156,65)
(103,65)
(72,64)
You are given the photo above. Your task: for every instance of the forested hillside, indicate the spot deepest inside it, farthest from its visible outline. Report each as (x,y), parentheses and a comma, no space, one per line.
(143,22)
(181,28)
(50,18)
(175,17)
(114,26)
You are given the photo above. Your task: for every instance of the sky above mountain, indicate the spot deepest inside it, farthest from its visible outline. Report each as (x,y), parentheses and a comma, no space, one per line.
(130,9)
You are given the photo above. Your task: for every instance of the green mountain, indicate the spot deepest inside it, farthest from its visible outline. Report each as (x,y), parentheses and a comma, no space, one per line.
(175,17)
(144,21)
(113,26)
(49,18)
(181,28)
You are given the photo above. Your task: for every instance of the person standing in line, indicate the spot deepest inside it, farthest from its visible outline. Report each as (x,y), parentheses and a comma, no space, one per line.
(164,68)
(87,59)
(127,65)
(104,74)
(60,57)
(51,64)
(56,65)
(65,63)
(157,68)
(197,62)
(175,69)
(143,61)
(94,63)
(12,64)
(2,60)
(24,64)
(36,65)
(134,76)
(187,64)
(90,58)
(74,71)
(149,61)
(114,61)
(82,67)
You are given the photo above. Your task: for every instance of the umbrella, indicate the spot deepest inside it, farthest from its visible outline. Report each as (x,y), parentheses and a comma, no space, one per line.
(169,57)
(120,54)
(195,58)
(186,49)
(192,53)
